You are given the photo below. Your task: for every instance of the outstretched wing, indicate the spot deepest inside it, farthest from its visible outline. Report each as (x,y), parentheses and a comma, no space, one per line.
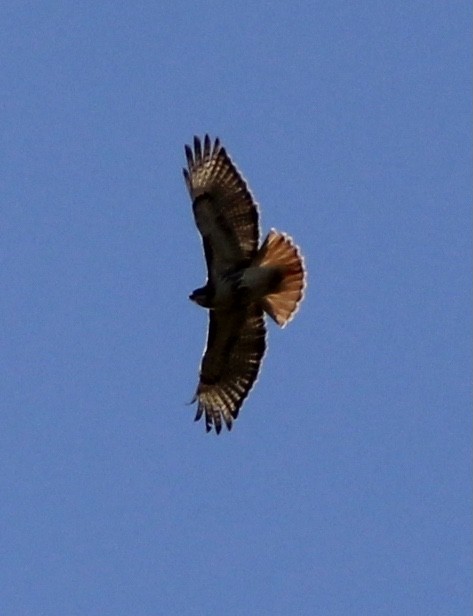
(224,209)
(235,347)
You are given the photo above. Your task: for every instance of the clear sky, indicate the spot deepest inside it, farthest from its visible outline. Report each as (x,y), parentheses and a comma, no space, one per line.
(344,487)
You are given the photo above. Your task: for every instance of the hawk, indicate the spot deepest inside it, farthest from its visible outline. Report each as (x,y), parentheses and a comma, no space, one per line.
(245,281)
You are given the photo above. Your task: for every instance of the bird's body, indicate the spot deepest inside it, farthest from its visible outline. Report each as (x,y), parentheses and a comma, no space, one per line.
(243,281)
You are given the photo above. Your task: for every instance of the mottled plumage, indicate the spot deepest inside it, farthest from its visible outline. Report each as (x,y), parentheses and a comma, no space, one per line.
(243,281)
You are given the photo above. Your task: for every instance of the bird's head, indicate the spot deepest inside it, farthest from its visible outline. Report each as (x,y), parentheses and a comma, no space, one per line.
(200,297)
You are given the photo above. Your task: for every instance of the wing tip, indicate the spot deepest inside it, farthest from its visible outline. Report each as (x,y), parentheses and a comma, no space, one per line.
(213,416)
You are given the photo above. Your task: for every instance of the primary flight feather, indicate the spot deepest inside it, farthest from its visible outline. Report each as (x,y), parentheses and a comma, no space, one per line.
(244,281)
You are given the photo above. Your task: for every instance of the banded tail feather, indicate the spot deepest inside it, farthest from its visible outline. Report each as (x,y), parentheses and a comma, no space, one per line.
(278,250)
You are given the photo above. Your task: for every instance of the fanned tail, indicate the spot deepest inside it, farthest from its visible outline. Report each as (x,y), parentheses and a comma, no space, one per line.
(278,250)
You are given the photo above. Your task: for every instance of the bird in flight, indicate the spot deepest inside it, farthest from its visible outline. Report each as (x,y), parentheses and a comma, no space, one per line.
(245,281)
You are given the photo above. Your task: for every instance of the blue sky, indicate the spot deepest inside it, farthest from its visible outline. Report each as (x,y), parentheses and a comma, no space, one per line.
(344,487)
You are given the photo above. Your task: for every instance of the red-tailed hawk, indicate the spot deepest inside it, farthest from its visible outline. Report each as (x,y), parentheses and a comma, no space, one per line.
(244,281)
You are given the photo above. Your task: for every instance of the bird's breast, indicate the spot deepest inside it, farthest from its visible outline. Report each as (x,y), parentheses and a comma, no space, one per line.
(226,291)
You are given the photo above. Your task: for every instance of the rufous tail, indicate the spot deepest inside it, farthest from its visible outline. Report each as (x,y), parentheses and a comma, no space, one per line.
(278,250)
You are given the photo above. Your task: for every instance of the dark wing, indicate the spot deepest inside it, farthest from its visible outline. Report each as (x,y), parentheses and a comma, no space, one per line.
(235,347)
(224,209)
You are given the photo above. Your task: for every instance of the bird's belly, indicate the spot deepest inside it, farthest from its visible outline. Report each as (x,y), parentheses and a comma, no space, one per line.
(245,286)
(260,280)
